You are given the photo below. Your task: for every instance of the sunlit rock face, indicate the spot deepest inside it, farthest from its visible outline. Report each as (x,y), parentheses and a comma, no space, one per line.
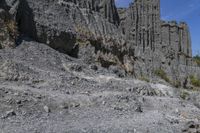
(135,39)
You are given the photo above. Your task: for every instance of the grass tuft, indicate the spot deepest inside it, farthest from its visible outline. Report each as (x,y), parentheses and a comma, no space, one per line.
(184,95)
(195,81)
(162,74)
(143,78)
(197,59)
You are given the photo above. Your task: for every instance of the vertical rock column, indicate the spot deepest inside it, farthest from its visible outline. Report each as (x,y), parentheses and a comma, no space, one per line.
(176,42)
(185,42)
(106,7)
(144,23)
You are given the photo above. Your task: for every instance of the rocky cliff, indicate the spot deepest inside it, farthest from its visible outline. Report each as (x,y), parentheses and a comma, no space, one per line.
(80,66)
(106,8)
(134,39)
(157,44)
(177,38)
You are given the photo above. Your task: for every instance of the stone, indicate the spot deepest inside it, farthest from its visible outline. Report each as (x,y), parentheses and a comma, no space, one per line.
(9,113)
(76,67)
(139,108)
(46,109)
(64,106)
(106,7)
(94,67)
(118,108)
(191,126)
(135,40)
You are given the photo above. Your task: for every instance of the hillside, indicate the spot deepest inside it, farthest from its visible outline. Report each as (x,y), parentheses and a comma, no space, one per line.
(87,66)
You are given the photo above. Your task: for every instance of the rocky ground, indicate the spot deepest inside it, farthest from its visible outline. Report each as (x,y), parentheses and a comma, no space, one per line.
(44,91)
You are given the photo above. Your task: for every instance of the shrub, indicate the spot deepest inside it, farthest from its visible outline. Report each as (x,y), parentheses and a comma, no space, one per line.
(162,74)
(12,28)
(197,59)
(177,83)
(143,78)
(195,81)
(184,95)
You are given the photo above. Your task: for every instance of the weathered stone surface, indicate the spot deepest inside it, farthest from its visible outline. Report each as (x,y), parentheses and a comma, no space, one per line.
(176,38)
(8,30)
(107,8)
(135,39)
(144,23)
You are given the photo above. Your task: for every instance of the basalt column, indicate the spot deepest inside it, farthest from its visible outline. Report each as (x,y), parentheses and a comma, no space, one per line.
(144,24)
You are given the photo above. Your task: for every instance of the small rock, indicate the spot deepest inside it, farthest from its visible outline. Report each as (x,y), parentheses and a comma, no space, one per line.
(94,67)
(39,96)
(191,126)
(118,108)
(18,101)
(9,114)
(76,105)
(64,106)
(177,111)
(68,92)
(72,83)
(76,67)
(103,102)
(16,94)
(139,109)
(46,108)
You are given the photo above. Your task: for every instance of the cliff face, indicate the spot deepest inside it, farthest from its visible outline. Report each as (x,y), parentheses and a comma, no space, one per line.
(142,27)
(176,37)
(107,8)
(134,39)
(157,44)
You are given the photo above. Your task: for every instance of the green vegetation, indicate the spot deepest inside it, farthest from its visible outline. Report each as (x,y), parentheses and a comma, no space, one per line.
(177,84)
(11,26)
(83,31)
(184,94)
(195,81)
(162,74)
(82,42)
(8,32)
(143,78)
(197,59)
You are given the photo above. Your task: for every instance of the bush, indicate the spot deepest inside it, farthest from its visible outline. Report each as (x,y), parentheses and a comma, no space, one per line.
(184,95)
(177,83)
(195,81)
(162,74)
(12,28)
(197,59)
(143,78)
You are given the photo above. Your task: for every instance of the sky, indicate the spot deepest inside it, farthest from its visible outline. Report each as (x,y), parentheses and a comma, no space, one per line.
(179,10)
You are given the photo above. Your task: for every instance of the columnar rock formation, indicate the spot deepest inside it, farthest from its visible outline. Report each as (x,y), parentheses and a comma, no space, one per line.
(177,38)
(144,24)
(135,39)
(106,7)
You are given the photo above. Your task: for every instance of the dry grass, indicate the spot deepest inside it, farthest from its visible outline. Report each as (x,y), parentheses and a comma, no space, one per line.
(195,81)
(197,59)
(143,78)
(162,74)
(11,26)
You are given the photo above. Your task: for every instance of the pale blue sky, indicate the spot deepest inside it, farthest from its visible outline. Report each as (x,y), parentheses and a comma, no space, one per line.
(180,10)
